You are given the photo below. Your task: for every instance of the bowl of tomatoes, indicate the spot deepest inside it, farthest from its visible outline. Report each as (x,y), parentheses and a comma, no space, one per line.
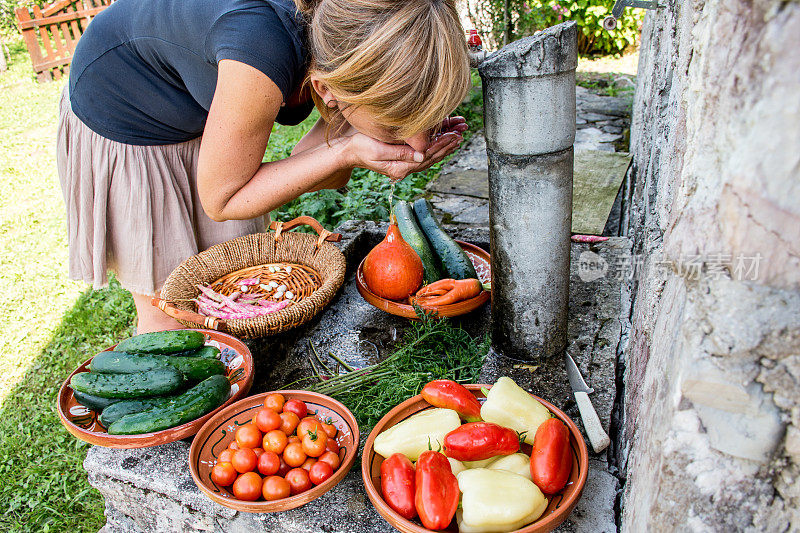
(274,451)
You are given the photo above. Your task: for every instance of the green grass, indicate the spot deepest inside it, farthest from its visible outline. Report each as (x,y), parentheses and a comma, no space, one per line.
(49,324)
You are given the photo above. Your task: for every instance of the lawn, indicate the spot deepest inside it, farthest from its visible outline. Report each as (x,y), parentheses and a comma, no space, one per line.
(49,324)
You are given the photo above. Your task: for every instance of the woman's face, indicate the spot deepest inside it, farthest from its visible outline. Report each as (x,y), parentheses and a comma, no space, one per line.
(362,120)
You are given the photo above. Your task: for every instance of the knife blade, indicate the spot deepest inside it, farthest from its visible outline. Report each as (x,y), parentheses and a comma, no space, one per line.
(591,422)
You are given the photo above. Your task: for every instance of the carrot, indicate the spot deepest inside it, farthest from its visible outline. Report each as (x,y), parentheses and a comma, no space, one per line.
(457,290)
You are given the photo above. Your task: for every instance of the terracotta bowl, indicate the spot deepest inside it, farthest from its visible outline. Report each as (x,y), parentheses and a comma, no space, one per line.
(84,423)
(480,259)
(559,507)
(218,432)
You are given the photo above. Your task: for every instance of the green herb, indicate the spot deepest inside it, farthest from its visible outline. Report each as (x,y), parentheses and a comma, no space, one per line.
(431,349)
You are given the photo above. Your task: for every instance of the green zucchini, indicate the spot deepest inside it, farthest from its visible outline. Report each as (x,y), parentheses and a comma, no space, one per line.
(117,410)
(194,368)
(454,262)
(178,340)
(95,403)
(155,382)
(192,404)
(416,239)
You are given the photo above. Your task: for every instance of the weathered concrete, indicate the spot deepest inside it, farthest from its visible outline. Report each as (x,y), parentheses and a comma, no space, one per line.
(151,489)
(529,119)
(712,381)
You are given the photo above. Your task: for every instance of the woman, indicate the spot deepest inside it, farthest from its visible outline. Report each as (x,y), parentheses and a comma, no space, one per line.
(170,105)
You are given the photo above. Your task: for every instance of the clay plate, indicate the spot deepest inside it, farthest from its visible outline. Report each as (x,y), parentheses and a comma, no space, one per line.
(83,422)
(558,508)
(480,259)
(218,432)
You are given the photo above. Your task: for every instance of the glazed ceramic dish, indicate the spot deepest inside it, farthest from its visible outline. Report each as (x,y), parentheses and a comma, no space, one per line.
(84,423)
(218,433)
(480,259)
(558,508)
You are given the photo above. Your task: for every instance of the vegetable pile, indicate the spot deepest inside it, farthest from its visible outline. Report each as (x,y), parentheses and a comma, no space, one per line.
(290,449)
(417,250)
(500,487)
(152,382)
(255,297)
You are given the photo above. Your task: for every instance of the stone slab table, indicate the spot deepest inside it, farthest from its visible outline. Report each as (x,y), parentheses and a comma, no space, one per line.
(151,489)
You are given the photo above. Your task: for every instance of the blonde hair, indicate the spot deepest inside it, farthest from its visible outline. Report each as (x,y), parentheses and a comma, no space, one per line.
(405,61)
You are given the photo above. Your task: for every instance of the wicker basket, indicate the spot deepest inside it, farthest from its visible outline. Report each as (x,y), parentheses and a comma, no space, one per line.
(317,271)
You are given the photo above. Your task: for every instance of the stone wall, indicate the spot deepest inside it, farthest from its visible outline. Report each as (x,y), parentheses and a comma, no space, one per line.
(710,430)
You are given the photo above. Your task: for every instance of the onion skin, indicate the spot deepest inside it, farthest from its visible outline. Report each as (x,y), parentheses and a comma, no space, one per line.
(392,269)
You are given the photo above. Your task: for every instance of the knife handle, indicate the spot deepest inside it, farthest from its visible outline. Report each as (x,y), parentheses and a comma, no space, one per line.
(591,422)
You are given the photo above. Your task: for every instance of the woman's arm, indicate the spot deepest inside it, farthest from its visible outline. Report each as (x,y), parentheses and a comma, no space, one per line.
(314,138)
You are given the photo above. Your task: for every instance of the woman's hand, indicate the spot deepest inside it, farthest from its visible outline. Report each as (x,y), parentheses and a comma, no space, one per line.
(399,160)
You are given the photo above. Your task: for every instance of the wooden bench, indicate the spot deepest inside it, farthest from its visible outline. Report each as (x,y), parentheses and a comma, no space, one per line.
(51,33)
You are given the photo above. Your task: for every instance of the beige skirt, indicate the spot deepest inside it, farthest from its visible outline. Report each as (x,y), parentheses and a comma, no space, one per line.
(131,209)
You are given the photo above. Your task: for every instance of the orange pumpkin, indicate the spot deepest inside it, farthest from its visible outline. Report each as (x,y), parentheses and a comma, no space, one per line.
(392,269)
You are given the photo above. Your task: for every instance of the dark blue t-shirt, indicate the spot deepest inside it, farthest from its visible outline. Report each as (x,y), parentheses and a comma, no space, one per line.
(144,72)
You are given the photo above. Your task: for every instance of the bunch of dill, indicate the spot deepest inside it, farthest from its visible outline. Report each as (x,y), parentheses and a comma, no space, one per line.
(431,349)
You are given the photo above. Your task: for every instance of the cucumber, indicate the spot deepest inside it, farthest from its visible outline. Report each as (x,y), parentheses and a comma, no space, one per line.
(178,340)
(117,410)
(95,403)
(194,368)
(209,352)
(455,263)
(417,240)
(192,404)
(141,384)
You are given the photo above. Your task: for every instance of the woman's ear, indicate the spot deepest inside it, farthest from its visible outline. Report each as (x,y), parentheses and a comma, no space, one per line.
(322,90)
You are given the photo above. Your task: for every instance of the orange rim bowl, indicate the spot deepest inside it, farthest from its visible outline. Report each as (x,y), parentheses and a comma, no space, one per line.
(480,259)
(83,423)
(218,432)
(559,506)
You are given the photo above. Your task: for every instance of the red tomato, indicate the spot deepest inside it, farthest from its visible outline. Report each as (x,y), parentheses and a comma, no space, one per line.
(247,487)
(274,401)
(225,456)
(298,480)
(551,457)
(269,463)
(297,407)
(329,428)
(332,446)
(294,454)
(275,488)
(244,460)
(307,424)
(248,436)
(258,451)
(332,459)
(275,441)
(289,422)
(267,420)
(233,445)
(308,464)
(293,438)
(320,472)
(223,474)
(314,443)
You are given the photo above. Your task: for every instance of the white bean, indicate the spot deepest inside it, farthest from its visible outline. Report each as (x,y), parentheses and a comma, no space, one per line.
(288,269)
(273,284)
(281,288)
(278,295)
(289,295)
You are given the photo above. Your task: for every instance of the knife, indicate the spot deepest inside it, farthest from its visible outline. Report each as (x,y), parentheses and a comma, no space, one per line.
(591,422)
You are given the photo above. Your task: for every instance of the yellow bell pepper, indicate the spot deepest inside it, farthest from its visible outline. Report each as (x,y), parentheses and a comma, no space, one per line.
(507,404)
(483,463)
(456,466)
(518,463)
(496,501)
(413,435)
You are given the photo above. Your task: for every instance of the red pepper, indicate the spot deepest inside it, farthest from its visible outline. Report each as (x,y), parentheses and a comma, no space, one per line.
(451,395)
(437,490)
(551,458)
(398,483)
(477,441)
